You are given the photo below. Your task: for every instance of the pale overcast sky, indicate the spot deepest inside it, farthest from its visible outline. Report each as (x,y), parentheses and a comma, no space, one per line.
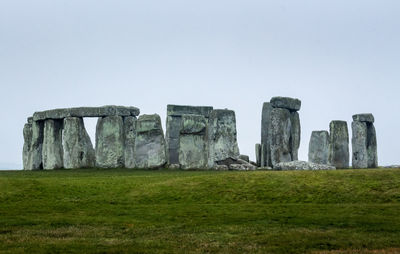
(339,57)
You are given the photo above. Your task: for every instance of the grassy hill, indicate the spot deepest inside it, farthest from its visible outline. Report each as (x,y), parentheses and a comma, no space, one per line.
(128,211)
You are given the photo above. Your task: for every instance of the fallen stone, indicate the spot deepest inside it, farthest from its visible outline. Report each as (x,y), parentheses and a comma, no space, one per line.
(174,166)
(392,166)
(86,112)
(264,168)
(291,104)
(280,134)
(130,136)
(110,142)
(244,157)
(77,146)
(150,148)
(221,136)
(221,167)
(318,149)
(359,145)
(369,118)
(339,144)
(27,144)
(241,167)
(52,153)
(302,165)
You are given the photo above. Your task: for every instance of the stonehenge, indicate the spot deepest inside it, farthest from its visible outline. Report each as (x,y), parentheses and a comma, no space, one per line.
(280,132)
(364,145)
(197,137)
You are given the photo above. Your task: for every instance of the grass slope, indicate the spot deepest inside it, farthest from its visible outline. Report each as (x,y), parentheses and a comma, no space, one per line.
(128,211)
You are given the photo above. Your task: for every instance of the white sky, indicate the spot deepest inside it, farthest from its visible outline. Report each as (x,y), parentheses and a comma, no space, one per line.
(339,57)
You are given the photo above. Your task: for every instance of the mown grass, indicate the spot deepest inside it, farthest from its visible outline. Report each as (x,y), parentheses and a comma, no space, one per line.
(129,211)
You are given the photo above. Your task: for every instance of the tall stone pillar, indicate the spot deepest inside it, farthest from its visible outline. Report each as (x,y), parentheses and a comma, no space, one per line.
(130,136)
(35,153)
(78,148)
(110,142)
(318,149)
(27,143)
(364,145)
(52,144)
(339,144)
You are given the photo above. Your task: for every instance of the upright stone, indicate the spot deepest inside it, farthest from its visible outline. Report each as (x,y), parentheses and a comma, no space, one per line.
(52,144)
(280,136)
(35,155)
(339,144)
(359,145)
(110,142)
(222,137)
(27,145)
(193,142)
(295,135)
(78,148)
(258,155)
(265,157)
(150,148)
(372,148)
(318,149)
(130,136)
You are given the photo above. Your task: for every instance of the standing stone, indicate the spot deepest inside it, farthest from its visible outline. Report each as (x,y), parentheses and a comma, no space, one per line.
(78,149)
(27,144)
(295,135)
(258,155)
(339,144)
(174,123)
(265,135)
(192,142)
(221,136)
(318,149)
(35,155)
(52,144)
(281,129)
(150,148)
(130,136)
(110,142)
(364,142)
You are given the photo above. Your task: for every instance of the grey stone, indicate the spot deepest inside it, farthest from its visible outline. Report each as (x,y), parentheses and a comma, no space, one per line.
(103,111)
(27,144)
(150,148)
(280,136)
(52,153)
(173,127)
(193,142)
(264,168)
(302,165)
(295,135)
(221,167)
(368,117)
(30,119)
(110,142)
(359,145)
(130,136)
(244,157)
(174,166)
(241,167)
(372,146)
(318,149)
(392,166)
(77,146)
(339,144)
(221,136)
(265,156)
(35,153)
(291,104)
(258,154)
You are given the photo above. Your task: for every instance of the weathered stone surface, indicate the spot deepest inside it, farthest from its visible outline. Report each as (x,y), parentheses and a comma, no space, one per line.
(103,111)
(52,153)
(372,146)
(30,119)
(130,136)
(280,134)
(258,154)
(242,167)
(174,166)
(265,156)
(150,148)
(27,144)
(77,146)
(221,136)
(110,142)
(221,167)
(193,142)
(302,165)
(244,157)
(291,104)
(295,135)
(369,118)
(359,145)
(35,154)
(318,149)
(339,144)
(174,124)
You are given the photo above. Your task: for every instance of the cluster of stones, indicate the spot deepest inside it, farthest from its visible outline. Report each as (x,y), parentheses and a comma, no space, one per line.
(196,138)
(333,147)
(280,132)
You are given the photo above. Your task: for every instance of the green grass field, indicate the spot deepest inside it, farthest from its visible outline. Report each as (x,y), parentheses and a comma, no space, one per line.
(129,211)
